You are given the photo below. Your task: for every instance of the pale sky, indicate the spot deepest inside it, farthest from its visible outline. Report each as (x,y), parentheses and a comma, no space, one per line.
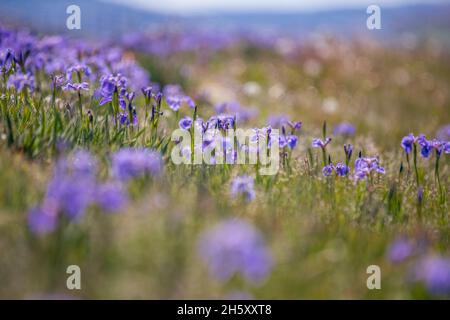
(203,6)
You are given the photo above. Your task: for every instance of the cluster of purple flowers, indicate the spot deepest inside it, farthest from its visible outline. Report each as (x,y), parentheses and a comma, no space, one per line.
(74,186)
(319,143)
(410,141)
(434,272)
(341,170)
(235,247)
(73,66)
(400,250)
(364,166)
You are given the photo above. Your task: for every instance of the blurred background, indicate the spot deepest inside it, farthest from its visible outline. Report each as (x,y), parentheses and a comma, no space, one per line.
(344,18)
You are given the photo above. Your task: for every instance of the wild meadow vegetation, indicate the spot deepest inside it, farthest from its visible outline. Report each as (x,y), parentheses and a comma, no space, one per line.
(87,178)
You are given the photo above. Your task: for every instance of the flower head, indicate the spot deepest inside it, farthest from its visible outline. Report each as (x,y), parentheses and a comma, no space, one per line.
(408,142)
(400,250)
(341,169)
(327,171)
(42,221)
(319,143)
(244,186)
(20,81)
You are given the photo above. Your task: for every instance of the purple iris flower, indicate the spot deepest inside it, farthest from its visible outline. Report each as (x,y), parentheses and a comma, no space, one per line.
(342,170)
(344,129)
(292,141)
(440,146)
(425,146)
(408,142)
(283,141)
(235,247)
(147,92)
(129,163)
(365,166)
(174,102)
(243,186)
(185,123)
(327,170)
(447,147)
(109,84)
(319,143)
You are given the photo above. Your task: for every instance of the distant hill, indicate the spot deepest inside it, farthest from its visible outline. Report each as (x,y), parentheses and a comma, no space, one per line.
(111,19)
(97,18)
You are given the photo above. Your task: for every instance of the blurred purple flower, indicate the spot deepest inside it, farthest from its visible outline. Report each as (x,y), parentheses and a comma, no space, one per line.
(408,142)
(443,133)
(79,69)
(364,166)
(243,186)
(400,250)
(110,84)
(344,129)
(319,143)
(41,221)
(342,170)
(425,146)
(111,197)
(434,273)
(129,163)
(235,247)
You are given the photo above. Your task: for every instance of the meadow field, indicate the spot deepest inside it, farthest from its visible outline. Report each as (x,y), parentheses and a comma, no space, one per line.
(87,176)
